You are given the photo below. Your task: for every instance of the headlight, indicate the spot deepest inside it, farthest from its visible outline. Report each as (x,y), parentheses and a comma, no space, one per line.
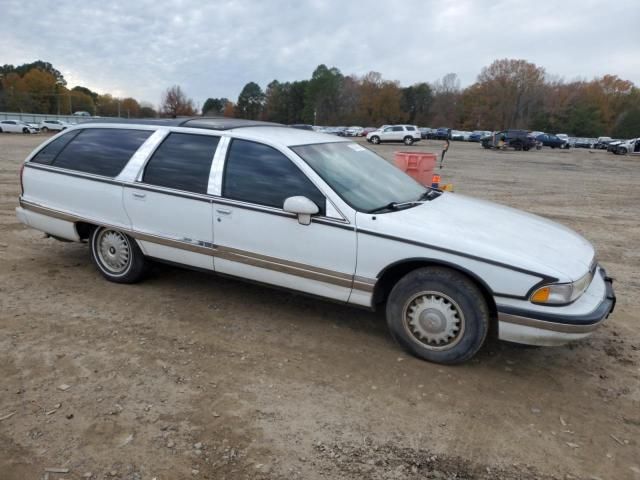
(562,293)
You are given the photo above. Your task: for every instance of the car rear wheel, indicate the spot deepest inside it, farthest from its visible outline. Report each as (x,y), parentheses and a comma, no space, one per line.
(45,129)
(438,314)
(408,140)
(117,255)
(375,140)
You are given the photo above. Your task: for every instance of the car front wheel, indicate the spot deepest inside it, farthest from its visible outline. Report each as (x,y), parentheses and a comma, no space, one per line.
(117,255)
(438,314)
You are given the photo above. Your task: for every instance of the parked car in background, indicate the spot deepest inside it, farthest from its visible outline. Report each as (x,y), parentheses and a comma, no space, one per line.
(478,135)
(408,134)
(612,146)
(17,126)
(552,141)
(322,216)
(367,130)
(442,133)
(53,125)
(627,146)
(516,139)
(353,132)
(339,131)
(302,126)
(82,113)
(603,142)
(460,135)
(585,143)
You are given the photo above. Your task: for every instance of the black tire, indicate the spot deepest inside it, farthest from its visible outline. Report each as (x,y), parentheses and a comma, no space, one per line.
(25,130)
(375,140)
(45,129)
(526,149)
(1,130)
(120,260)
(454,339)
(408,141)
(623,151)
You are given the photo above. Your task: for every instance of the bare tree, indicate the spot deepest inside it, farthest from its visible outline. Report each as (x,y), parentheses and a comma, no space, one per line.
(446,100)
(175,103)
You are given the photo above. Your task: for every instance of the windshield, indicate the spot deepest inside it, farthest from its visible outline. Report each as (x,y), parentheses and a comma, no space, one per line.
(363,179)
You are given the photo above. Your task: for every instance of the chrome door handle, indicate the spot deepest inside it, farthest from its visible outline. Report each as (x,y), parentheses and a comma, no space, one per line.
(139,195)
(223,211)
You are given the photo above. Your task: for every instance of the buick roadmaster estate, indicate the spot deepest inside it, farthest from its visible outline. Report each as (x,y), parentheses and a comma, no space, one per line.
(317,214)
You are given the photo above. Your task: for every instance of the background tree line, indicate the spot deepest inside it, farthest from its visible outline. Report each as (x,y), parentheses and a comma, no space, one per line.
(39,88)
(508,93)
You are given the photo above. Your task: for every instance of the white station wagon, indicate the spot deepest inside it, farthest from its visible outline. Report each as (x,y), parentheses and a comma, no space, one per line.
(320,215)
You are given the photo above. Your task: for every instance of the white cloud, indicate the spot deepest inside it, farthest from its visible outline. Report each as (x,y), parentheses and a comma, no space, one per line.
(213,48)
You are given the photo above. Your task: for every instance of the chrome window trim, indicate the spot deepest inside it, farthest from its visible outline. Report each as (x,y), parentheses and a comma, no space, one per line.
(204,197)
(217,167)
(73,173)
(169,131)
(333,212)
(169,191)
(301,165)
(134,167)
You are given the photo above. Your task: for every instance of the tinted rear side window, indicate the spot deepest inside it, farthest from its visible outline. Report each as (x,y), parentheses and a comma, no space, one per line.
(49,153)
(183,162)
(101,151)
(260,174)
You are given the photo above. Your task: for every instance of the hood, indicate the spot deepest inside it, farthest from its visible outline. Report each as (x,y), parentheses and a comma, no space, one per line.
(493,232)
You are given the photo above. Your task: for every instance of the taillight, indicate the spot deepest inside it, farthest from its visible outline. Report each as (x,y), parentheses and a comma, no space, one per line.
(21,182)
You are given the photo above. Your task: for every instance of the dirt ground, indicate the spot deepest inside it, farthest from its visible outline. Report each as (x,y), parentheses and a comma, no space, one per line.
(189,375)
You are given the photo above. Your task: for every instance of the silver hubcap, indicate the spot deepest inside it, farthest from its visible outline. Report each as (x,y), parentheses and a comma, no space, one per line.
(434,319)
(113,250)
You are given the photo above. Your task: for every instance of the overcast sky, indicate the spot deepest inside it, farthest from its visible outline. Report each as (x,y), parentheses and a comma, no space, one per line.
(213,48)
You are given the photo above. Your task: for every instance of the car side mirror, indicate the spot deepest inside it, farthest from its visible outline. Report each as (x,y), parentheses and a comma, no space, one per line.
(302,207)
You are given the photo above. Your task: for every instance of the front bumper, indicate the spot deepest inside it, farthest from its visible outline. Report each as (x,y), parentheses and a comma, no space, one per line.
(551,326)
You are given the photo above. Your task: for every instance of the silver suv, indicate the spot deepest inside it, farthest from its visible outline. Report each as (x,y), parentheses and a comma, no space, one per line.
(395,133)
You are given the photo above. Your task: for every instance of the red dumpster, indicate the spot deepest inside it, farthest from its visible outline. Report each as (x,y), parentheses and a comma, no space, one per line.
(418,165)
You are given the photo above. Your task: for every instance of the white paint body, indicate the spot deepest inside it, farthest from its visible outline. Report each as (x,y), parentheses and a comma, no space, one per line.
(340,256)
(16,126)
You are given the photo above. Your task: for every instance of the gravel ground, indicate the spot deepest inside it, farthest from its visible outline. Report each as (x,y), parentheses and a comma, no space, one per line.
(189,375)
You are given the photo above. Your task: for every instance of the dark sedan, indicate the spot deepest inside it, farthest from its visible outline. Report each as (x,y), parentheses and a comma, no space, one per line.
(552,141)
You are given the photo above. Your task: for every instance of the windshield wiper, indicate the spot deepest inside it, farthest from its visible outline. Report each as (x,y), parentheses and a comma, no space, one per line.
(388,206)
(395,206)
(430,194)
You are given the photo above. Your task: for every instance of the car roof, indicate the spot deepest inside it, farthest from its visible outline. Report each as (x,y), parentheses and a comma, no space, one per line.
(287,136)
(207,123)
(254,129)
